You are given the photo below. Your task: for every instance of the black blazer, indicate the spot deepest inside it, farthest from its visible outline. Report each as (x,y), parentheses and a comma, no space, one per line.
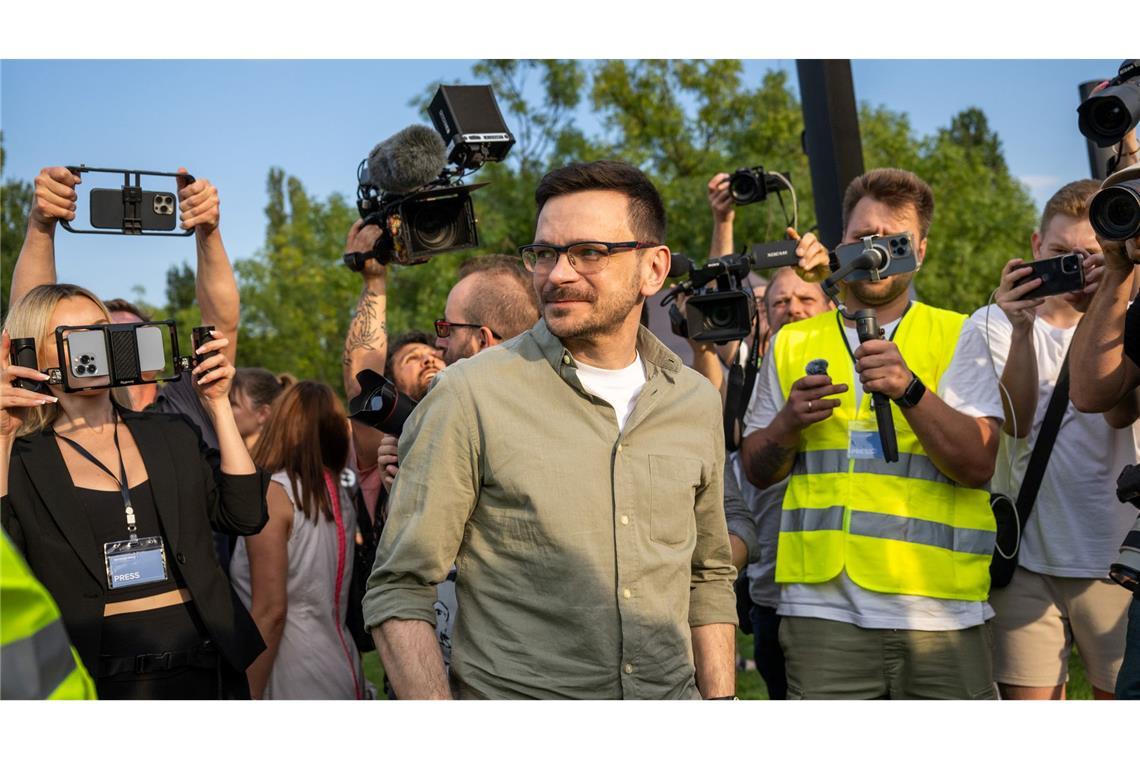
(42,515)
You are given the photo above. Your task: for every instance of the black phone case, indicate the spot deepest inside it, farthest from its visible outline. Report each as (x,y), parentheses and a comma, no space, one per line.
(1057,276)
(107,209)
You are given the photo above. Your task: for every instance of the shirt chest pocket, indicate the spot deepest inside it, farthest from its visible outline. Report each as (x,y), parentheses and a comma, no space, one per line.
(673,483)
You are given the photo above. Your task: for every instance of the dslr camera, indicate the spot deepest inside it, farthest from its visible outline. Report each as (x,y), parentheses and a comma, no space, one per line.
(411,184)
(380,404)
(752,185)
(719,307)
(1107,116)
(1114,211)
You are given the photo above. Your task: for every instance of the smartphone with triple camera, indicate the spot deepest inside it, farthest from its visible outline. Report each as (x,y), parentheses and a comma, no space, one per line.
(158,211)
(1059,274)
(86,359)
(897,255)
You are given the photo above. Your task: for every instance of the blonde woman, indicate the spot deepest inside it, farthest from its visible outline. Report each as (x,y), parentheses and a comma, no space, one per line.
(91,488)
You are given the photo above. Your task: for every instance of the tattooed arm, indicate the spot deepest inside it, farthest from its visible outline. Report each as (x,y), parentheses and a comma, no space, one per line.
(768,453)
(366,344)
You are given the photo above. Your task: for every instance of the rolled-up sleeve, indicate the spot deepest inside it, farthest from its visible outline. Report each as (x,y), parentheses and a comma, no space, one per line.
(432,498)
(711,597)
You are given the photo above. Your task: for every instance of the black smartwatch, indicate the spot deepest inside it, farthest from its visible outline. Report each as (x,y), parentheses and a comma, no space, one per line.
(913,393)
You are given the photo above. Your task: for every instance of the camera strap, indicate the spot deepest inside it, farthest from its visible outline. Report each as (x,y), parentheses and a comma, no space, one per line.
(1043,447)
(741,380)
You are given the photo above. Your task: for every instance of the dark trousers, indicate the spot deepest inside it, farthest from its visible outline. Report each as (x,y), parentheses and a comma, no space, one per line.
(1128,681)
(769,656)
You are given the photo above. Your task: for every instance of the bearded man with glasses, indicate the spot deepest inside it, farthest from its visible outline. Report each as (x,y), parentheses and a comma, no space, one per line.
(574,476)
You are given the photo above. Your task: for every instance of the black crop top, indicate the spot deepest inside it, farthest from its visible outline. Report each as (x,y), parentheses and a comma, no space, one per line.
(108,521)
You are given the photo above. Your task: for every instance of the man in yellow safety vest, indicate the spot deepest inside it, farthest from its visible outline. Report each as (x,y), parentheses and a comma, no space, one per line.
(883,566)
(37,660)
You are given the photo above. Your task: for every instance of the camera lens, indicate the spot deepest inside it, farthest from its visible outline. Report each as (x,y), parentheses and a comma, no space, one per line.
(744,188)
(1109,117)
(721,316)
(1069,264)
(81,369)
(1115,211)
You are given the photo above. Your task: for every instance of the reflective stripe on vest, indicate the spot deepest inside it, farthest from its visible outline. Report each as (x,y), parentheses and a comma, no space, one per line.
(895,527)
(36,659)
(35,667)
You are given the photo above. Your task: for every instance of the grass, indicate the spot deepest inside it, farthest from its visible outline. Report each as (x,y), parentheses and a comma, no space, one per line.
(749,684)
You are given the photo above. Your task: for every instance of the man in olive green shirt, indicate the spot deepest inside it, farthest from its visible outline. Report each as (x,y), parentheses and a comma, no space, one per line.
(574,476)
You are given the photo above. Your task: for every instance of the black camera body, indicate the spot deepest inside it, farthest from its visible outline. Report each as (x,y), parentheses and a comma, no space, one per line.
(752,185)
(1106,117)
(888,254)
(380,404)
(719,307)
(1126,570)
(407,188)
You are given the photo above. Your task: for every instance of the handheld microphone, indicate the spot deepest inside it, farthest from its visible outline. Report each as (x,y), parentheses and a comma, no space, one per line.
(407,160)
(867,327)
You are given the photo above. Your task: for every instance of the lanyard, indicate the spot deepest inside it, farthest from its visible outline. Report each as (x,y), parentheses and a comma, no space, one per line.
(120,481)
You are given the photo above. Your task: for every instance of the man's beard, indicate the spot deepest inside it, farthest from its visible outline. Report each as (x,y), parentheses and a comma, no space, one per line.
(875,294)
(605,317)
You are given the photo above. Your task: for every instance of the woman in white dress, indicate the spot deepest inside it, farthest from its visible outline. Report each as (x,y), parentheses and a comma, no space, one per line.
(294,575)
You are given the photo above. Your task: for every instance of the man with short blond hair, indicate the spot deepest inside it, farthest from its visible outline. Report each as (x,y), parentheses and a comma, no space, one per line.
(1060,595)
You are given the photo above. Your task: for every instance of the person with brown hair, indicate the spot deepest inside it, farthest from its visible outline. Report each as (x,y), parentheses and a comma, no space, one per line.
(294,575)
(570,585)
(113,509)
(883,566)
(1060,595)
(252,395)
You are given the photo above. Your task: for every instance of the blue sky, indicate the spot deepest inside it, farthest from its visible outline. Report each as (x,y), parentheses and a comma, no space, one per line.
(230,121)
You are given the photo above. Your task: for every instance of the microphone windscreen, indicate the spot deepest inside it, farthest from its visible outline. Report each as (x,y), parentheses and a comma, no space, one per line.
(680,265)
(407,160)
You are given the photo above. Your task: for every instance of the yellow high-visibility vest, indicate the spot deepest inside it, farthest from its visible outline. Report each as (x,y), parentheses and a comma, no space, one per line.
(895,527)
(37,660)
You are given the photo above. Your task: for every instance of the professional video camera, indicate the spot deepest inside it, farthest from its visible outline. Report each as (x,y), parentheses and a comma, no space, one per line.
(407,187)
(1106,117)
(719,307)
(380,404)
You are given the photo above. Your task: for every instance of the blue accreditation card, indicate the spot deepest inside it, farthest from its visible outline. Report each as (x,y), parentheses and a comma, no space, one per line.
(135,562)
(863,440)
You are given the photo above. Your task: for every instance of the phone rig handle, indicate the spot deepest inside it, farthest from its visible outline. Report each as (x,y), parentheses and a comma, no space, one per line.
(867,328)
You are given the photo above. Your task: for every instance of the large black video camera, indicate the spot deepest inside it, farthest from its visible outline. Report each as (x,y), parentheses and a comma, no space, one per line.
(719,307)
(411,184)
(1126,570)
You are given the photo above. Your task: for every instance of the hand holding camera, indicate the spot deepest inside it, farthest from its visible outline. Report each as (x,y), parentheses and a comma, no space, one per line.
(55,197)
(16,399)
(721,200)
(362,239)
(214,373)
(808,403)
(882,368)
(1016,281)
(198,201)
(387,458)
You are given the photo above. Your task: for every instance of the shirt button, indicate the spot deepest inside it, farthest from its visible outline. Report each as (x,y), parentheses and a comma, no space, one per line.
(626,593)
(566,358)
(625,519)
(628,669)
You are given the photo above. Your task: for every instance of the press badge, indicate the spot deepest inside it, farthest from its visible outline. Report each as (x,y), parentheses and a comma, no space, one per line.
(134,562)
(863,440)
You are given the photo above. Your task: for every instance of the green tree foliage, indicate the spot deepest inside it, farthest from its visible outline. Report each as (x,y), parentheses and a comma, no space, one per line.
(15,200)
(296,295)
(681,122)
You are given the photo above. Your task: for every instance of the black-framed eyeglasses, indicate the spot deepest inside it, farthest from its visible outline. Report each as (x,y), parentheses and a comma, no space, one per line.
(443,328)
(586,257)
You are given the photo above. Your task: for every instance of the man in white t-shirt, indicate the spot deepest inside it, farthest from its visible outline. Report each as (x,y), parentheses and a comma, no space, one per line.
(1060,594)
(883,567)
